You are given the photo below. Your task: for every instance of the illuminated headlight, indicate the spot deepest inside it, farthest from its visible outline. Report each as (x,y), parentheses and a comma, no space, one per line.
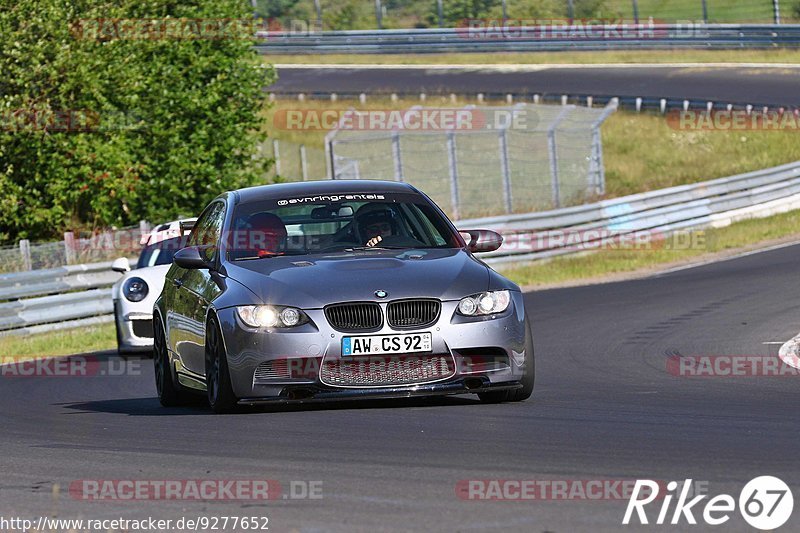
(485,303)
(271,316)
(135,289)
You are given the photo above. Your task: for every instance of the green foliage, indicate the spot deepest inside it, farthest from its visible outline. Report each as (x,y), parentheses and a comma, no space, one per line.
(164,124)
(348,14)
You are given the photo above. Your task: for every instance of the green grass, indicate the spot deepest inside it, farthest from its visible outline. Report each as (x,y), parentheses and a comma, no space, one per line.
(524,58)
(724,11)
(642,152)
(741,235)
(66,342)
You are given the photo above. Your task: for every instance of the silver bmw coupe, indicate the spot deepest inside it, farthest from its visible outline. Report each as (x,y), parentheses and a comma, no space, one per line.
(337,290)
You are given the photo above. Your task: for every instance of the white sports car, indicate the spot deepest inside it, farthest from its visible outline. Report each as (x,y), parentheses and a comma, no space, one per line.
(136,291)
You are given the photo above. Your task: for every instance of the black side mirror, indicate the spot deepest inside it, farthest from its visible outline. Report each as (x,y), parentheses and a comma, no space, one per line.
(483,240)
(192,258)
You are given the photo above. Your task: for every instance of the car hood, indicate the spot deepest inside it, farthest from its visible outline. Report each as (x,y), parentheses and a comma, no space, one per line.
(317,280)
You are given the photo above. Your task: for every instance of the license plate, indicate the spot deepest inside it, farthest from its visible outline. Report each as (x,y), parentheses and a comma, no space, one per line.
(383,344)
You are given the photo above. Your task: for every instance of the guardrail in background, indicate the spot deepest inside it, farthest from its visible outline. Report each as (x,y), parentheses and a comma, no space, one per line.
(532,39)
(706,204)
(56,298)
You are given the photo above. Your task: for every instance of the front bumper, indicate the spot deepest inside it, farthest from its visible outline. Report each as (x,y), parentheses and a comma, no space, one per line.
(313,394)
(453,336)
(134,330)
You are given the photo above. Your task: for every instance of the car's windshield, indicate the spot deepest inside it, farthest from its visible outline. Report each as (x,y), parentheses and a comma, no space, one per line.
(336,223)
(160,253)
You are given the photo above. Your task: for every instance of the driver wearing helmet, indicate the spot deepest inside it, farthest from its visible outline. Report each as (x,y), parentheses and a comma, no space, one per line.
(374,222)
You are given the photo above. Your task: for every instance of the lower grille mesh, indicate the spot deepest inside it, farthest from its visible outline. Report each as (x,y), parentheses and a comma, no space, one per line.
(386,370)
(278,369)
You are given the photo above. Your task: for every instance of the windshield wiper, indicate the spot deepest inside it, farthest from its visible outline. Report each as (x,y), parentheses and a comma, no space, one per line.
(366,248)
(269,255)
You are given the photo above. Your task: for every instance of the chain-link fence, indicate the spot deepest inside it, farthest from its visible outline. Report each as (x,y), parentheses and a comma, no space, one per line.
(74,249)
(293,161)
(308,16)
(515,159)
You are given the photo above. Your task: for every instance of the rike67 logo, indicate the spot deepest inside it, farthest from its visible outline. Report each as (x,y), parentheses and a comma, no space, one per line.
(766,503)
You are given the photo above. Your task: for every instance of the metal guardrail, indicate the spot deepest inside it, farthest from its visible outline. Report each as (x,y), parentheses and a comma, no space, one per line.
(697,205)
(55,298)
(58,302)
(532,39)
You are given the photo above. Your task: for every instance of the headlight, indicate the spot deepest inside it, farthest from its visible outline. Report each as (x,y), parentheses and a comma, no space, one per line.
(271,316)
(135,289)
(485,303)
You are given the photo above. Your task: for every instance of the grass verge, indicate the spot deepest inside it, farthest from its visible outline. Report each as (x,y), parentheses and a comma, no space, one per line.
(66,342)
(610,265)
(550,58)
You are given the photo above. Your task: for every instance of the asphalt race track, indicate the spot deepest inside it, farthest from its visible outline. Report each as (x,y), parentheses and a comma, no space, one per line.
(604,408)
(738,85)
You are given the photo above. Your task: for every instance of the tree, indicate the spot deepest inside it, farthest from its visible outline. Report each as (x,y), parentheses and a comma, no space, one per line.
(98,128)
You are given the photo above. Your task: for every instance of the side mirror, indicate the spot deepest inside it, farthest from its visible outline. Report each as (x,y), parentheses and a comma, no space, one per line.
(191,258)
(483,240)
(121,265)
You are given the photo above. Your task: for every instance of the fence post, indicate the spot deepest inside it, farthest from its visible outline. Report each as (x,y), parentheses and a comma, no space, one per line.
(276,154)
(303,163)
(453,166)
(505,169)
(69,248)
(397,156)
(318,9)
(705,11)
(440,10)
(570,11)
(25,252)
(552,149)
(595,163)
(379,14)
(329,161)
(636,11)
(776,10)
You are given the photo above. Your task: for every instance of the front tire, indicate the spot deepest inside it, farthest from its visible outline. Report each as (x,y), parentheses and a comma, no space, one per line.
(528,378)
(221,398)
(168,392)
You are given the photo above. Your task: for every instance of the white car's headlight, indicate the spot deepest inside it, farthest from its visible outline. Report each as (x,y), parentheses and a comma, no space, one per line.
(271,316)
(485,303)
(135,289)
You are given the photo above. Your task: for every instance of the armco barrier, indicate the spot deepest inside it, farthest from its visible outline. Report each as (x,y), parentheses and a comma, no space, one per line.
(55,298)
(704,204)
(52,299)
(530,39)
